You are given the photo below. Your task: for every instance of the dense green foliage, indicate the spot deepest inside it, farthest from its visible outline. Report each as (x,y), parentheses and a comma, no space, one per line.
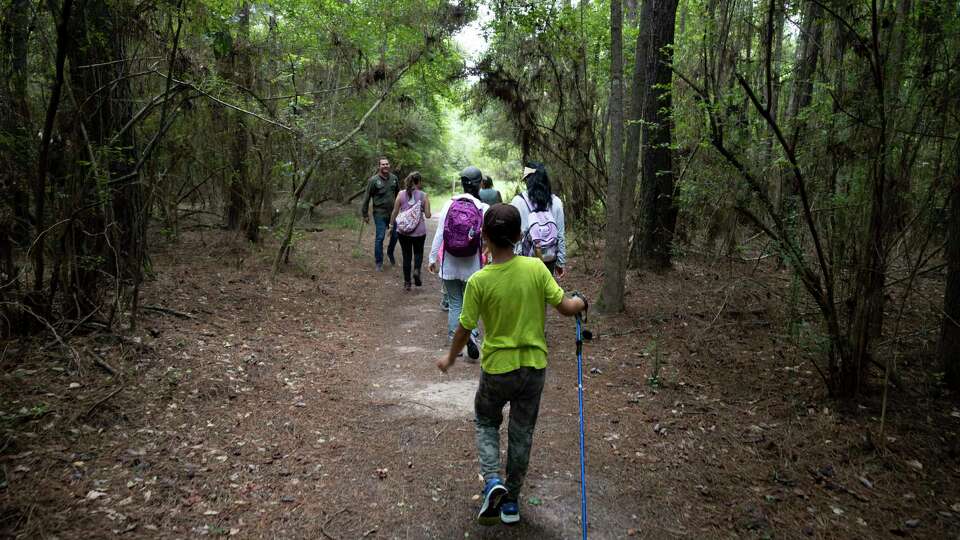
(823,134)
(180,111)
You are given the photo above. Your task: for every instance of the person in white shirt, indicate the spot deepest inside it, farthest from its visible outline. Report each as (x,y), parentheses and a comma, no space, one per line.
(539,197)
(453,270)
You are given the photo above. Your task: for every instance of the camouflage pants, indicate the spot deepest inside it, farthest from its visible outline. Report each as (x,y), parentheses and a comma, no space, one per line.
(522,389)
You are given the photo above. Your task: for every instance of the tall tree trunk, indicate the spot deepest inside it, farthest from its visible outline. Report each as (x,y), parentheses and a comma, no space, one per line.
(949,350)
(614,256)
(581,101)
(808,54)
(631,165)
(659,213)
(15,140)
(102,153)
(129,205)
(255,184)
(886,191)
(801,90)
(64,44)
(238,203)
(773,55)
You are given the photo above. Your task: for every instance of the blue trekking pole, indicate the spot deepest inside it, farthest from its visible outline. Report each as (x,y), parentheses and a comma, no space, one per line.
(581,335)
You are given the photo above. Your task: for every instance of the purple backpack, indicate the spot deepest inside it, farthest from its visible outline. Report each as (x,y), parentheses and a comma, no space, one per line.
(461,228)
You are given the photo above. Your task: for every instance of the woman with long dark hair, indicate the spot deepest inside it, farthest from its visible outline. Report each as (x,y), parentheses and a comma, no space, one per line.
(542,222)
(410,212)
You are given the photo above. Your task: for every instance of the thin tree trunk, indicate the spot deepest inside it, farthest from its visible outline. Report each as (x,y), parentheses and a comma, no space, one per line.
(40,185)
(15,143)
(614,257)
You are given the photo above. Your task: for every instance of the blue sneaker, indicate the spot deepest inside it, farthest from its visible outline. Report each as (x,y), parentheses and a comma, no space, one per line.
(493,493)
(510,512)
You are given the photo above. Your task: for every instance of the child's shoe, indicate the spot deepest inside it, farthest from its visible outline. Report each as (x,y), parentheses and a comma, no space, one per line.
(510,512)
(493,493)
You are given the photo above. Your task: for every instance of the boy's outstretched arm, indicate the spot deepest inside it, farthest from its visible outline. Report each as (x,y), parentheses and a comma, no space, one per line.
(459,342)
(570,306)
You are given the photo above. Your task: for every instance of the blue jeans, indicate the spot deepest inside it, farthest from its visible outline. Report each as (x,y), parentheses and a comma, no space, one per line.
(381,222)
(455,289)
(394,238)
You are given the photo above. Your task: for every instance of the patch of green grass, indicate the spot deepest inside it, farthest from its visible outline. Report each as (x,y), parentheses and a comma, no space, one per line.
(346,220)
(437,200)
(173,376)
(24,414)
(217,530)
(654,379)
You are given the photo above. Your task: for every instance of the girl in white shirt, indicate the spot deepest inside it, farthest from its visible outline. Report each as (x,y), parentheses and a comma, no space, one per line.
(455,271)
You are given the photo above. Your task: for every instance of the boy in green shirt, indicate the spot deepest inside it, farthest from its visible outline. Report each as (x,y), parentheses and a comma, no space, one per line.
(509,295)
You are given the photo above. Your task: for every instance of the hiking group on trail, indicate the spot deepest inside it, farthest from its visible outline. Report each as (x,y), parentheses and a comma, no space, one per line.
(497,263)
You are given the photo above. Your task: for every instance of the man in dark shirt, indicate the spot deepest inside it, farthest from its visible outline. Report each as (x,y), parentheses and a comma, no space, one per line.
(382,190)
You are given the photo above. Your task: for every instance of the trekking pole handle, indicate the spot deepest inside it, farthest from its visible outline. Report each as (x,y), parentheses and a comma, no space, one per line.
(586,306)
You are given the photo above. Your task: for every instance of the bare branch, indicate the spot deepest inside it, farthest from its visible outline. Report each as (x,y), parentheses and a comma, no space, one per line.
(147,151)
(308,174)
(120,61)
(163,98)
(56,336)
(311,93)
(215,99)
(800,184)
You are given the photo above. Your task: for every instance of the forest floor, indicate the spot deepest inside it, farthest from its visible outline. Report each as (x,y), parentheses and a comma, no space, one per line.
(309,406)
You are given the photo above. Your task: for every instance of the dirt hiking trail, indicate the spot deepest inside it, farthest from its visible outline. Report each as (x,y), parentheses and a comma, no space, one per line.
(341,400)
(310,407)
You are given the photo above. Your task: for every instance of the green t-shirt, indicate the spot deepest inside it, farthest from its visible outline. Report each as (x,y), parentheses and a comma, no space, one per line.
(511,300)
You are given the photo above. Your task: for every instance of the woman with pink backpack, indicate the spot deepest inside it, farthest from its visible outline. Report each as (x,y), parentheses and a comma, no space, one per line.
(410,212)
(457,252)
(542,226)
